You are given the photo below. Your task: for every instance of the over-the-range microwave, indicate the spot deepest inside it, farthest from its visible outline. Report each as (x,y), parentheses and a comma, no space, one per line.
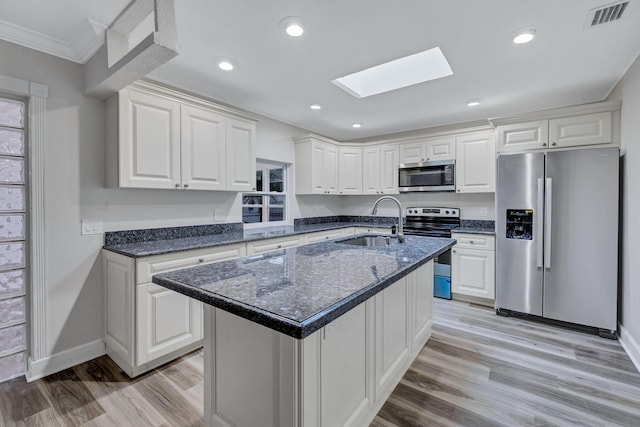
(427,176)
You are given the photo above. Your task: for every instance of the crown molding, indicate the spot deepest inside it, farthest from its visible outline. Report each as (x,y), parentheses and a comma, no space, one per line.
(85,43)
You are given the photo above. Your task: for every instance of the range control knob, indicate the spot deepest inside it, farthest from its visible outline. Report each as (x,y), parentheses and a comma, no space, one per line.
(447,212)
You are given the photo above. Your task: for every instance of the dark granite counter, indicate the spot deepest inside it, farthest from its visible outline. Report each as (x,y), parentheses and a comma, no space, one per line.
(473,226)
(142,243)
(299,290)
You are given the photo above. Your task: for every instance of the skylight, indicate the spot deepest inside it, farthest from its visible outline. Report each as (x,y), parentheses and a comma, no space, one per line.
(402,72)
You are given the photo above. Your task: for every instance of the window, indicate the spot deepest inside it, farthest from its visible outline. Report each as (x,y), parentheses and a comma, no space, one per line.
(268,203)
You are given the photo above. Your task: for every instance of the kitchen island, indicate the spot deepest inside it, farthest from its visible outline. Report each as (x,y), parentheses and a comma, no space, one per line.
(317,335)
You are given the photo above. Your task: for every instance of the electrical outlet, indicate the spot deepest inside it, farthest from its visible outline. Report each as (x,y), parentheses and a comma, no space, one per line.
(218,215)
(91,227)
(483,212)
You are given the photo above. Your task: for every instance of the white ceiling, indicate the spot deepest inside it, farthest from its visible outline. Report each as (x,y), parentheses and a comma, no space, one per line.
(280,76)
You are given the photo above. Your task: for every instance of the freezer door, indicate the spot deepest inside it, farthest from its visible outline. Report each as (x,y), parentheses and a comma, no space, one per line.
(580,283)
(519,211)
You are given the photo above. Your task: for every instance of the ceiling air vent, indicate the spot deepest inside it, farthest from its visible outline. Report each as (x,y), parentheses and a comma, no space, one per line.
(602,15)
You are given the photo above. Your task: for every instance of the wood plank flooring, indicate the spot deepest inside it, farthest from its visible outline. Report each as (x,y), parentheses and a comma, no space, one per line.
(478,369)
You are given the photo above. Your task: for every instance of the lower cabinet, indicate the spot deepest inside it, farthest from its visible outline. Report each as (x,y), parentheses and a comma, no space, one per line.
(473,267)
(340,375)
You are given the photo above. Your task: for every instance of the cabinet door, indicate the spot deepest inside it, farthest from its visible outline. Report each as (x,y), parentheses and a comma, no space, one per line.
(587,129)
(344,388)
(389,169)
(241,155)
(331,169)
(392,335)
(412,152)
(149,147)
(317,167)
(350,174)
(441,149)
(523,136)
(476,163)
(203,149)
(166,321)
(473,272)
(371,170)
(420,284)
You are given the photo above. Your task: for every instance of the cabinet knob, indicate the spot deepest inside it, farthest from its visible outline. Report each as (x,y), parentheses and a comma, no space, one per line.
(254,188)
(453,251)
(186,186)
(341,192)
(458,190)
(553,143)
(427,158)
(326,237)
(422,160)
(200,259)
(279,246)
(177,185)
(544,144)
(471,241)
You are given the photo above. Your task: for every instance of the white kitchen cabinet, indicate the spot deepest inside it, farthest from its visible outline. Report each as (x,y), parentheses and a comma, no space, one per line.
(473,266)
(159,138)
(350,170)
(420,291)
(321,236)
(146,325)
(148,140)
(430,149)
(380,169)
(393,341)
(203,149)
(476,163)
(268,245)
(316,166)
(572,131)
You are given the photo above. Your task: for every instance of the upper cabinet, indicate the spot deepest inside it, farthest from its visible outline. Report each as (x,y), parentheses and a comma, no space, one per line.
(316,166)
(427,150)
(573,131)
(380,169)
(476,163)
(155,138)
(350,170)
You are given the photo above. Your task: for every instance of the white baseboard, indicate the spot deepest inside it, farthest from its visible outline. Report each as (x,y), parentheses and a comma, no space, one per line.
(65,359)
(631,346)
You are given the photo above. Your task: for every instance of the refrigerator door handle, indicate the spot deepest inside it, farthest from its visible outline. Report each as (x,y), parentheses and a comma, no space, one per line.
(540,218)
(547,223)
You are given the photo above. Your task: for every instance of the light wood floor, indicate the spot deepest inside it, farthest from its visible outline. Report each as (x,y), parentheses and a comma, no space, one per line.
(478,369)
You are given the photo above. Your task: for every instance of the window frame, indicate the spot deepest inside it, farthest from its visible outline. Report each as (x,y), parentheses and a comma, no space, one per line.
(265,166)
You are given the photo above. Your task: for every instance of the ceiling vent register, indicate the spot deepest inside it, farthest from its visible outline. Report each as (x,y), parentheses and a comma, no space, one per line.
(602,15)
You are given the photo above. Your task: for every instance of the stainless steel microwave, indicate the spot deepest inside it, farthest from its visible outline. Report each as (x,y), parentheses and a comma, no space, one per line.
(427,176)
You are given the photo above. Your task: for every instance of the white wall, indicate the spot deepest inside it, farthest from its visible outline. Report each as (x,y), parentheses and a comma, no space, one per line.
(629,91)
(472,206)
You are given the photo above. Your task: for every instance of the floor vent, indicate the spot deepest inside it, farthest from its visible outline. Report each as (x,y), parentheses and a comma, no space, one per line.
(602,15)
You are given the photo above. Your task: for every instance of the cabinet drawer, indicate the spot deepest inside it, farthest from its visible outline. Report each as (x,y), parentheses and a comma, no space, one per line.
(321,236)
(474,241)
(382,230)
(268,245)
(147,267)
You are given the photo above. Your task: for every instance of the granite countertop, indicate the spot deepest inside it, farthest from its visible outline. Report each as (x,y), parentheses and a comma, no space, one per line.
(299,290)
(140,243)
(476,227)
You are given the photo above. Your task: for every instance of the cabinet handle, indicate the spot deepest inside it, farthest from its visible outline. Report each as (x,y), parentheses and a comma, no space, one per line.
(279,246)
(186,186)
(544,144)
(201,260)
(177,185)
(553,143)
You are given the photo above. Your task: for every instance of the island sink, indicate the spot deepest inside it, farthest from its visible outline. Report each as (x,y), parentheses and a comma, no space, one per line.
(369,240)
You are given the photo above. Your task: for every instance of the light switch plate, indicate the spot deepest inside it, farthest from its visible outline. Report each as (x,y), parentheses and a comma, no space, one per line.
(91,227)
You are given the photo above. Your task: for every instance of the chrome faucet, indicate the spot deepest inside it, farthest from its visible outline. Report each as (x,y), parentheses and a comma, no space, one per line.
(400,232)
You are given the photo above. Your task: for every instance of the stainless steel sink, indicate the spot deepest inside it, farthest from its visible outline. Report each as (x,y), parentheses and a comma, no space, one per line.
(370,240)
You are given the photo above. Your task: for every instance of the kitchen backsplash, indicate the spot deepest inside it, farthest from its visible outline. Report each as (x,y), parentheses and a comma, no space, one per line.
(153,234)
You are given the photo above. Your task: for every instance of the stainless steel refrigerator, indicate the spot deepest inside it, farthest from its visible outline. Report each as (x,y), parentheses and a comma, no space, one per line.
(557,235)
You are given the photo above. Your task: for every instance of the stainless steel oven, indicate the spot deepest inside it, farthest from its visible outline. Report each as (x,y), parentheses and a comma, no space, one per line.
(427,176)
(435,222)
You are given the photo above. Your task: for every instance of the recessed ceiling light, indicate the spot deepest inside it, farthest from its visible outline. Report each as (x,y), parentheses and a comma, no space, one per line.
(402,72)
(227,64)
(315,106)
(356,125)
(293,26)
(473,103)
(524,36)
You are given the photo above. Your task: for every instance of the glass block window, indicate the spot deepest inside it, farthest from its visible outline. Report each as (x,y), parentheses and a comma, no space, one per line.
(268,203)
(13,243)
